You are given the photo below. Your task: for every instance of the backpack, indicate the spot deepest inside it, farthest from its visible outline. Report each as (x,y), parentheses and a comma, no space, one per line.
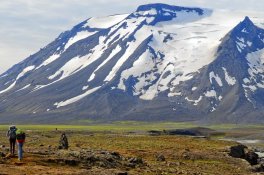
(12,132)
(20,135)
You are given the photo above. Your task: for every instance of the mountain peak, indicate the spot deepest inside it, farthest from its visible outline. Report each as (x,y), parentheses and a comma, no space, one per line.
(163,12)
(245,26)
(159,7)
(247,22)
(156,6)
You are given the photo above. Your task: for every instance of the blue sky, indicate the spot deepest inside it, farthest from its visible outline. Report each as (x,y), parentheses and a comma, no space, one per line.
(28,25)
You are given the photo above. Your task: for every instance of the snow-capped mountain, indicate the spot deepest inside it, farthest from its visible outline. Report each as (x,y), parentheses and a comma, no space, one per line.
(160,62)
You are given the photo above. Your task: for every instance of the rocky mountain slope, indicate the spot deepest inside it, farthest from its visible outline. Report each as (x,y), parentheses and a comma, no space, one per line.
(160,62)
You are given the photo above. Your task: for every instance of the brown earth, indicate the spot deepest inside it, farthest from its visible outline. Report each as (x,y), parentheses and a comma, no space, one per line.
(120,153)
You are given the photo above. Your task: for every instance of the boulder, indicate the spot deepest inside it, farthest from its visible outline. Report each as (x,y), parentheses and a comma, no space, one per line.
(237,151)
(241,151)
(160,158)
(122,173)
(95,158)
(252,157)
(258,168)
(136,160)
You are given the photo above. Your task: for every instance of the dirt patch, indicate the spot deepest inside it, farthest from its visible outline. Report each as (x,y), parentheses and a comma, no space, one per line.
(82,161)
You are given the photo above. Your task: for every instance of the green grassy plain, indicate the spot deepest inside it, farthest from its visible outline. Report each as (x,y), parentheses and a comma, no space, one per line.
(133,126)
(116,126)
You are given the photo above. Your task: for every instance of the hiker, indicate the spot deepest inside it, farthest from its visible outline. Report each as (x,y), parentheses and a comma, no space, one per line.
(11,134)
(63,144)
(20,136)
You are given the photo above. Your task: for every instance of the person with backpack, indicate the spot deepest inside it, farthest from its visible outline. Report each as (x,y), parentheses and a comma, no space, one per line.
(63,143)
(11,134)
(20,136)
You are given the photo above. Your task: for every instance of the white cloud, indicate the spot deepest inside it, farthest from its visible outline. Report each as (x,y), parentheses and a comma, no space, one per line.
(27,25)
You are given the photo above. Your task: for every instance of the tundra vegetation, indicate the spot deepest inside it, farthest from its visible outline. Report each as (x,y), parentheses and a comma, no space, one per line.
(127,148)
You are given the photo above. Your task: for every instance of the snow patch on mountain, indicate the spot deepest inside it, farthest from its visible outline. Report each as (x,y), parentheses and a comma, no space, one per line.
(20,75)
(172,94)
(187,16)
(49,60)
(211,93)
(146,13)
(256,74)
(23,88)
(78,63)
(252,88)
(8,88)
(140,36)
(26,70)
(75,99)
(230,80)
(195,102)
(214,76)
(4,75)
(244,31)
(124,29)
(143,64)
(104,22)
(85,88)
(256,68)
(7,82)
(241,44)
(113,53)
(79,36)
(246,80)
(249,43)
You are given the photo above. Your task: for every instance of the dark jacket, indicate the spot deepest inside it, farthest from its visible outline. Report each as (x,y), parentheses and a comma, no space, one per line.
(11,133)
(21,137)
